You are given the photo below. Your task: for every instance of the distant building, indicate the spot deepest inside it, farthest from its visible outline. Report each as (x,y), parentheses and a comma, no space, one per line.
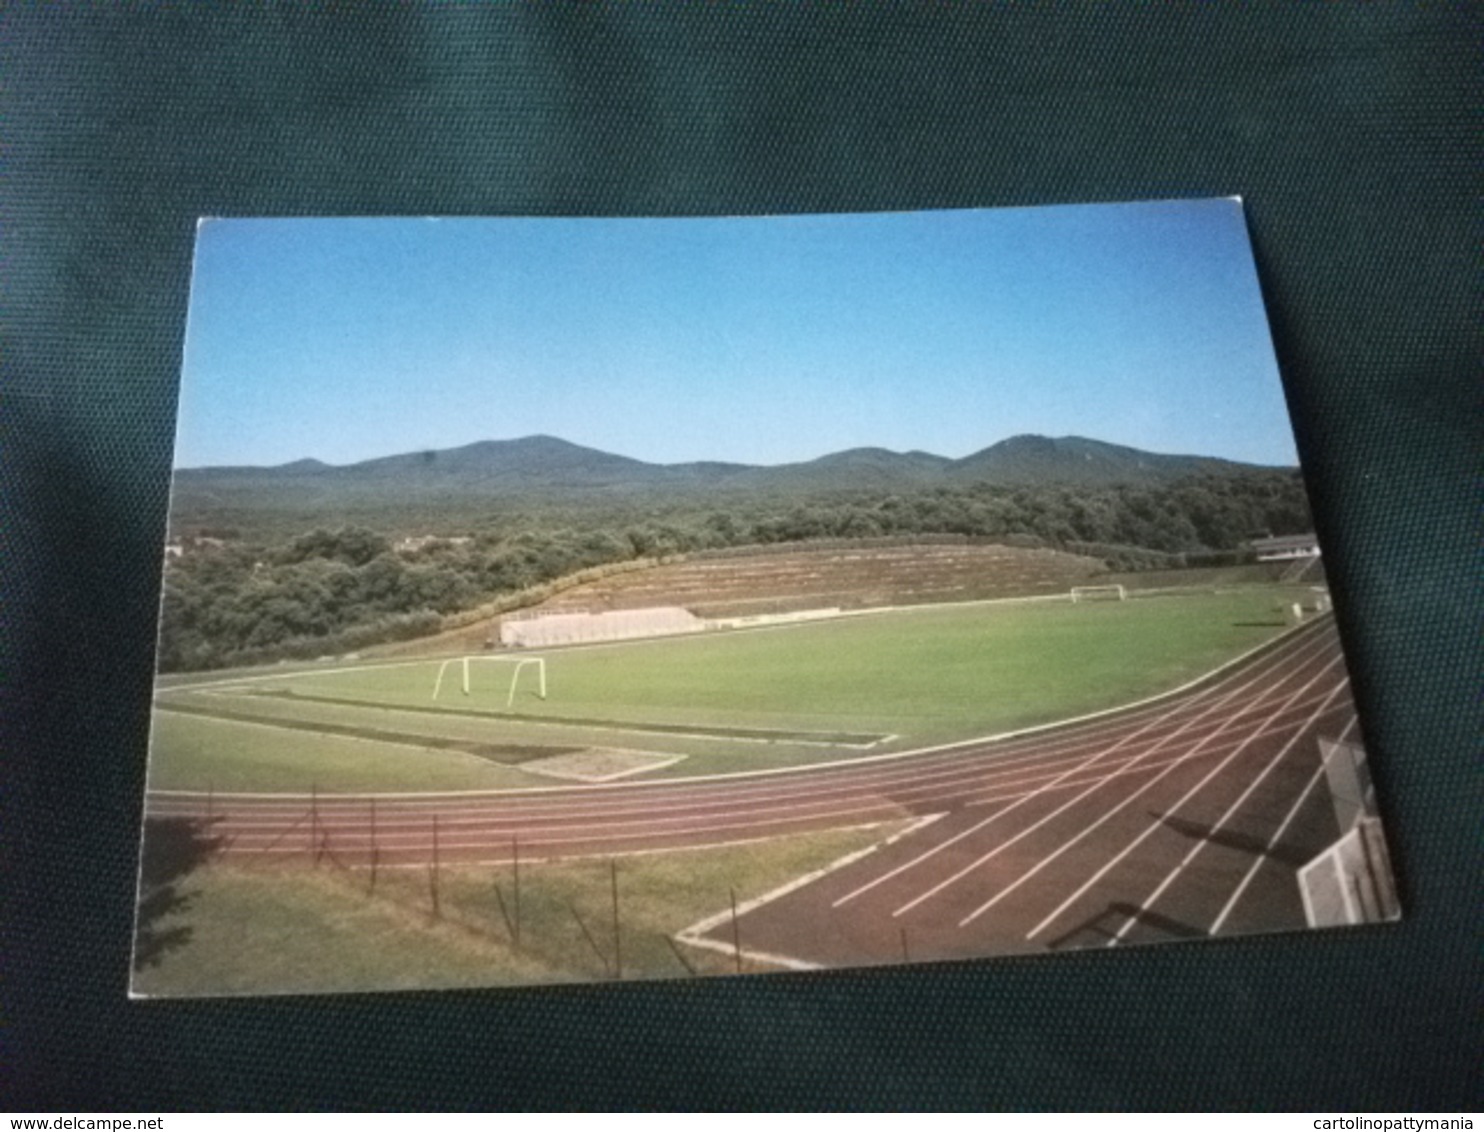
(1285,546)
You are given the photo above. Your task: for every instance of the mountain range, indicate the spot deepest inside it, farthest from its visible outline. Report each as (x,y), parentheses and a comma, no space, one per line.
(545,467)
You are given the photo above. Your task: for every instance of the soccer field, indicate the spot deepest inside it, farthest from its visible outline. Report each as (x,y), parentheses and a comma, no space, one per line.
(706,703)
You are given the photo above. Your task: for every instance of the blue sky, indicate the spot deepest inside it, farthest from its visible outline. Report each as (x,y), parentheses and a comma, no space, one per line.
(756,340)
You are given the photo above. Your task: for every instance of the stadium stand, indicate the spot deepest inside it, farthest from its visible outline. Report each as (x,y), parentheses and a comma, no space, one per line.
(614,625)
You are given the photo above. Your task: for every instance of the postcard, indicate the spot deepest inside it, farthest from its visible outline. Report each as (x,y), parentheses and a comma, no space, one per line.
(558,600)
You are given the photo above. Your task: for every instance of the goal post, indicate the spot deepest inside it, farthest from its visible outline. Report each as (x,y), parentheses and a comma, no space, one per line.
(1099,593)
(518,663)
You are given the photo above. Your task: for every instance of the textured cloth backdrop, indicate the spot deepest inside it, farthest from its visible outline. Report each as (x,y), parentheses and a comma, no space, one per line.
(1352,131)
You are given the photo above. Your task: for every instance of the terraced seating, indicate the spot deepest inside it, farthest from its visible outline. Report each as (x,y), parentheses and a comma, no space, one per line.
(555,628)
(848,577)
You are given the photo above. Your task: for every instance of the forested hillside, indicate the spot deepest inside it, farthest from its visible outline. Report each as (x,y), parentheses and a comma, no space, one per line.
(493,482)
(236,596)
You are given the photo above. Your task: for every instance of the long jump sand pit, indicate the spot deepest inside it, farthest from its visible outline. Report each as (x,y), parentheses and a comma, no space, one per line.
(600,764)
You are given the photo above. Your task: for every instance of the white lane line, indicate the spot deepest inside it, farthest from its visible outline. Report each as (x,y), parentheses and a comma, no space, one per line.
(1095,757)
(695,934)
(968,746)
(395,841)
(497,831)
(867,814)
(965,785)
(1261,730)
(393,817)
(1314,780)
(308,724)
(500,858)
(390,825)
(1195,850)
(1164,741)
(1102,872)
(199,685)
(972,769)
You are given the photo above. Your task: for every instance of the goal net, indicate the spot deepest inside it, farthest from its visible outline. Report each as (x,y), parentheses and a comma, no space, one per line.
(516,665)
(1099,593)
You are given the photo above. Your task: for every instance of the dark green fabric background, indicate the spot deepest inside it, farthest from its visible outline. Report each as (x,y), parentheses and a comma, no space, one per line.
(1353,132)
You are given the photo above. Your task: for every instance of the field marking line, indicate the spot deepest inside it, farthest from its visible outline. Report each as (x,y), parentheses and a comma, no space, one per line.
(308,668)
(336,809)
(562,858)
(1091,759)
(1273,643)
(964,787)
(707,629)
(1163,742)
(806,806)
(758,734)
(884,809)
(1151,829)
(392,833)
(749,954)
(1262,858)
(1065,846)
(393,830)
(195,685)
(694,934)
(530,766)
(433,744)
(945,777)
(1134,765)
(1195,850)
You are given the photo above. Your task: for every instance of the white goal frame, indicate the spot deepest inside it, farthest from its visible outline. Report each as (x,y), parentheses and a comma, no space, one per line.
(519,661)
(1113,590)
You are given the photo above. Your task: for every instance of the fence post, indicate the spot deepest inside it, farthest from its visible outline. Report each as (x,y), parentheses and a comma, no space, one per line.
(504,912)
(617,945)
(433,872)
(375,849)
(684,962)
(515,859)
(591,942)
(736,933)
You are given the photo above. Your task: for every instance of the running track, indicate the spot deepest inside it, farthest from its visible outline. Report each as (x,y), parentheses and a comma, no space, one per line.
(1178,818)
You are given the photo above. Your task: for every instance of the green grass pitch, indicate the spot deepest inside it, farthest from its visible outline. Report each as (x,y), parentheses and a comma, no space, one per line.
(727,701)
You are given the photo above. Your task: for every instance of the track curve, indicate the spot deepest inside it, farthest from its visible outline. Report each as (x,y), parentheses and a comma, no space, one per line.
(1262,701)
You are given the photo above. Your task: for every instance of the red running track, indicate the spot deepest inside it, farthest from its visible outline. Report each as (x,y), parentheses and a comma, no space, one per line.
(1180,817)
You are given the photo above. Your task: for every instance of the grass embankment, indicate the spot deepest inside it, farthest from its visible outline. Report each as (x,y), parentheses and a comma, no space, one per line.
(926,675)
(244,930)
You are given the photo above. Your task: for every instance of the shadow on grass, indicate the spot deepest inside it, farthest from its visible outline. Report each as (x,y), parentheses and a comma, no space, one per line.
(173,849)
(1259,624)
